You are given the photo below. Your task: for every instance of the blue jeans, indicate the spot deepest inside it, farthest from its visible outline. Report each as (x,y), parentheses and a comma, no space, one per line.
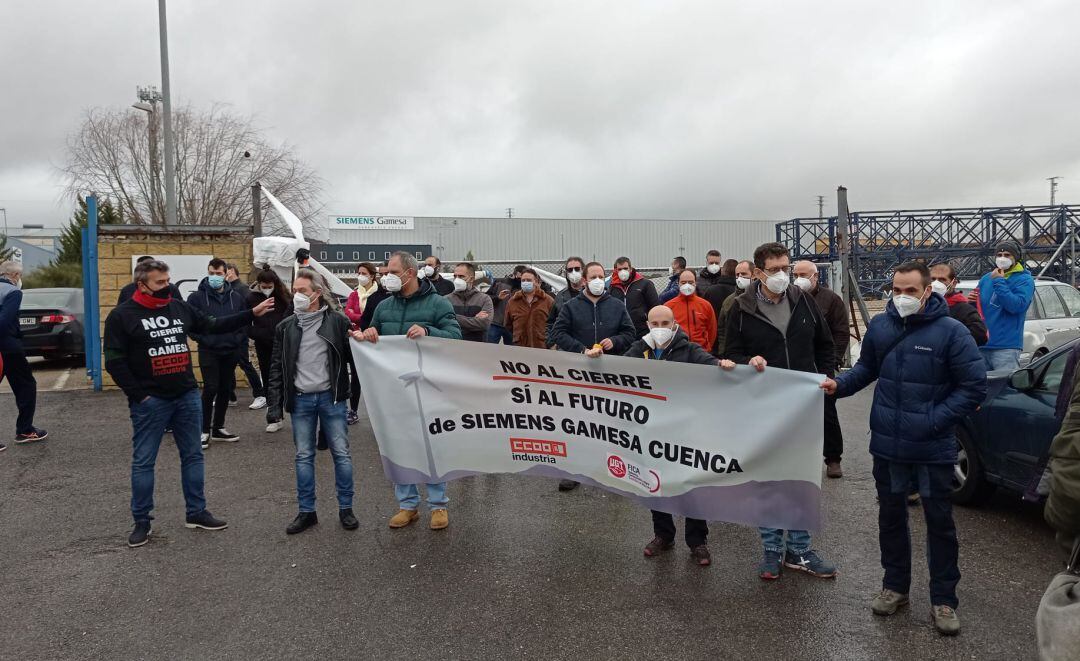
(409,496)
(497,332)
(934,481)
(149,420)
(309,410)
(798,541)
(1001,359)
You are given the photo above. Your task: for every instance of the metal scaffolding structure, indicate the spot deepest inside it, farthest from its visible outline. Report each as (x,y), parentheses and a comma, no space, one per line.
(880,240)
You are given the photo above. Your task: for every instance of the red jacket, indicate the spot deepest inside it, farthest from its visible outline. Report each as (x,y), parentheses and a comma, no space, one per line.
(697,319)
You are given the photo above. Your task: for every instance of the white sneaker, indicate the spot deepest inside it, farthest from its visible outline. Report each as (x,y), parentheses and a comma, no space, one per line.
(206,441)
(274,426)
(259,403)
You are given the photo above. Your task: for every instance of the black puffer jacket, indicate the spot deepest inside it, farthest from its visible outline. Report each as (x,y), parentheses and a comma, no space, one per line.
(806,347)
(640,296)
(681,350)
(262,328)
(581,324)
(281,392)
(222,303)
(716,294)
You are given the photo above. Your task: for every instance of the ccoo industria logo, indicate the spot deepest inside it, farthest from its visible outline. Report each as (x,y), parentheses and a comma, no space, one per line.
(372,222)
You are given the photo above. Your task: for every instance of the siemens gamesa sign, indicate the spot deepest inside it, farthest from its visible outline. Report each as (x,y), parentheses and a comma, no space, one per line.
(371,222)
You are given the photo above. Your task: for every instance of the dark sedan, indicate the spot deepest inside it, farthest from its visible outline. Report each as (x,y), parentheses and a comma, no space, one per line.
(51,321)
(1003,442)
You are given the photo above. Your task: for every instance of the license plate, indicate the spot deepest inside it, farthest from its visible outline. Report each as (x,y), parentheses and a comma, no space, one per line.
(27,321)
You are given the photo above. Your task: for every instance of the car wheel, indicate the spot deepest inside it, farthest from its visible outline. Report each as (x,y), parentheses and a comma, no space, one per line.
(969,481)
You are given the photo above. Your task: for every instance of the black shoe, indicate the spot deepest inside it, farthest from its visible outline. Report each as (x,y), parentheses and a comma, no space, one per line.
(206,521)
(140,534)
(305,520)
(2,447)
(224,435)
(568,485)
(348,521)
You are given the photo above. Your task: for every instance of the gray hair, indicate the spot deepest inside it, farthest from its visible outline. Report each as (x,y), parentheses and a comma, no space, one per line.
(408,261)
(11,267)
(318,283)
(143,269)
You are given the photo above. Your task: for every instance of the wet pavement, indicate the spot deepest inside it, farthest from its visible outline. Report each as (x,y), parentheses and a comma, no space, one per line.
(523,571)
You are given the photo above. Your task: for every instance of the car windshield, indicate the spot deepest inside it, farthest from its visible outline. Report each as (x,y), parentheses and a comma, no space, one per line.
(45,299)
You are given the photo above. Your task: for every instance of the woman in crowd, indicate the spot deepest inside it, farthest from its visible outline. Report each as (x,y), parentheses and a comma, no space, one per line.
(268,284)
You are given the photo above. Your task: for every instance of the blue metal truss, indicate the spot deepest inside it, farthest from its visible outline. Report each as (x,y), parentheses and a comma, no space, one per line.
(880,240)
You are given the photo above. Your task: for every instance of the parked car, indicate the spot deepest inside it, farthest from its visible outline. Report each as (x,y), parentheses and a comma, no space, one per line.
(1052,319)
(1001,444)
(51,321)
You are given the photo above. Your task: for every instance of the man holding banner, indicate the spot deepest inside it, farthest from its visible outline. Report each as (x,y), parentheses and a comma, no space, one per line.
(667,341)
(592,323)
(416,310)
(776,323)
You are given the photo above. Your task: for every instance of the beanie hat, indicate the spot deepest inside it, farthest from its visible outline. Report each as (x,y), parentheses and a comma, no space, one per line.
(1012,247)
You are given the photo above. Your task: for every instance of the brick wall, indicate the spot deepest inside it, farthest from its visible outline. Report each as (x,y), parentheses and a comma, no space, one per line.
(118,244)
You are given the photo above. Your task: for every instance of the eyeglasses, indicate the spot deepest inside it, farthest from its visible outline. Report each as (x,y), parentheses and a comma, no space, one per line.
(778,269)
(574,270)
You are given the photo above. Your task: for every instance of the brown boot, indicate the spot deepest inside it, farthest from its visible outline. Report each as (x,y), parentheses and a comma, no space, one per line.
(657,546)
(700,554)
(833,470)
(439,519)
(403,518)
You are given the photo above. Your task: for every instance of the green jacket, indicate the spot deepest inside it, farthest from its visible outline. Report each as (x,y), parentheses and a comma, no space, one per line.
(426,308)
(1063,505)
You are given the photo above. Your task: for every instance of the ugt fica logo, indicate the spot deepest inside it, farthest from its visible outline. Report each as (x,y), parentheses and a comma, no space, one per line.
(616,466)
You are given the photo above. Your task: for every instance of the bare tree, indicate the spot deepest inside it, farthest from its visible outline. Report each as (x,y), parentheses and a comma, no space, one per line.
(219,155)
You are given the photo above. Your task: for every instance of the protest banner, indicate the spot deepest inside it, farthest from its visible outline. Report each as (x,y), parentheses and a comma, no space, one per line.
(738,446)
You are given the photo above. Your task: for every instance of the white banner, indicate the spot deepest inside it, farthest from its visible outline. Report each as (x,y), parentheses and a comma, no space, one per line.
(371,222)
(694,440)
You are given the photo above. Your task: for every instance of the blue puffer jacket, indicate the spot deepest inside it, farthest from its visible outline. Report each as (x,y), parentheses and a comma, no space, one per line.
(582,323)
(932,379)
(1004,303)
(222,303)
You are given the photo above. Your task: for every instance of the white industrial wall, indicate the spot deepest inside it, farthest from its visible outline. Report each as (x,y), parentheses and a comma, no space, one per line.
(646,242)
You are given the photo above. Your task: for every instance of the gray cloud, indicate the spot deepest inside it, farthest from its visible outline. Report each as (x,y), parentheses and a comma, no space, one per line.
(676,109)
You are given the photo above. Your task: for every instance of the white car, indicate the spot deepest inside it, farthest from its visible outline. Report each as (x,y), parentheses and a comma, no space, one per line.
(1052,319)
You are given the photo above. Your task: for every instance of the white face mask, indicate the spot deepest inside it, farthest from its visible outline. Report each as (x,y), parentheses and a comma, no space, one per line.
(906,305)
(778,282)
(364,280)
(429,271)
(573,277)
(392,282)
(460,284)
(686,289)
(267,292)
(939,287)
(624,275)
(742,283)
(596,286)
(1003,263)
(803,283)
(713,268)
(301,302)
(661,336)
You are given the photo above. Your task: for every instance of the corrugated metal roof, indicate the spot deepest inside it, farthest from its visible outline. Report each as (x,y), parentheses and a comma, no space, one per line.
(647,242)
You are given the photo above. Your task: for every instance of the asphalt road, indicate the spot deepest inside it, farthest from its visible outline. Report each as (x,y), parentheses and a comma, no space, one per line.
(522,572)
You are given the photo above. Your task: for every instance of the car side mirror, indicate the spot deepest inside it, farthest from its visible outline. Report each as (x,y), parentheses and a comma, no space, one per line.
(1023,379)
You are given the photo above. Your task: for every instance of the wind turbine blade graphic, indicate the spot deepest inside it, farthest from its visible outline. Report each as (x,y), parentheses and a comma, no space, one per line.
(289,217)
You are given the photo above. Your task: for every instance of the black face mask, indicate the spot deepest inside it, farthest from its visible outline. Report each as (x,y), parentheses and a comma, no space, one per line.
(162,293)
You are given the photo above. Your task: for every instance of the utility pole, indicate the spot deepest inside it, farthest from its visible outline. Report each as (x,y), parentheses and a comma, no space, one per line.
(821,207)
(1053,188)
(509,212)
(148,100)
(6,233)
(170,150)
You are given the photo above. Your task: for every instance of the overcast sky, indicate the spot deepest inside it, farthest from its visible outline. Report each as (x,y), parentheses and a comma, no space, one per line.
(708,109)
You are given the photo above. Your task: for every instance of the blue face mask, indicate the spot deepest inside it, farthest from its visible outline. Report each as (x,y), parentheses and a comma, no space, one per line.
(216,281)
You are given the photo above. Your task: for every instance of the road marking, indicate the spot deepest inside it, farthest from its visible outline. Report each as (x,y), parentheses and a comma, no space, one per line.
(62,380)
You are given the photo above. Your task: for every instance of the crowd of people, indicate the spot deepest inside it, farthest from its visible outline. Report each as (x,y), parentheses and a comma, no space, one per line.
(928,353)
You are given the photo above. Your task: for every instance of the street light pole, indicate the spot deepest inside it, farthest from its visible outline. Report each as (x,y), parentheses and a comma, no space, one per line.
(170,152)
(148,100)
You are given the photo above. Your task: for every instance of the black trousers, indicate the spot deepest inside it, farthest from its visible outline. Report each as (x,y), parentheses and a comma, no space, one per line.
(697,531)
(834,435)
(21,378)
(354,385)
(252,374)
(894,480)
(218,383)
